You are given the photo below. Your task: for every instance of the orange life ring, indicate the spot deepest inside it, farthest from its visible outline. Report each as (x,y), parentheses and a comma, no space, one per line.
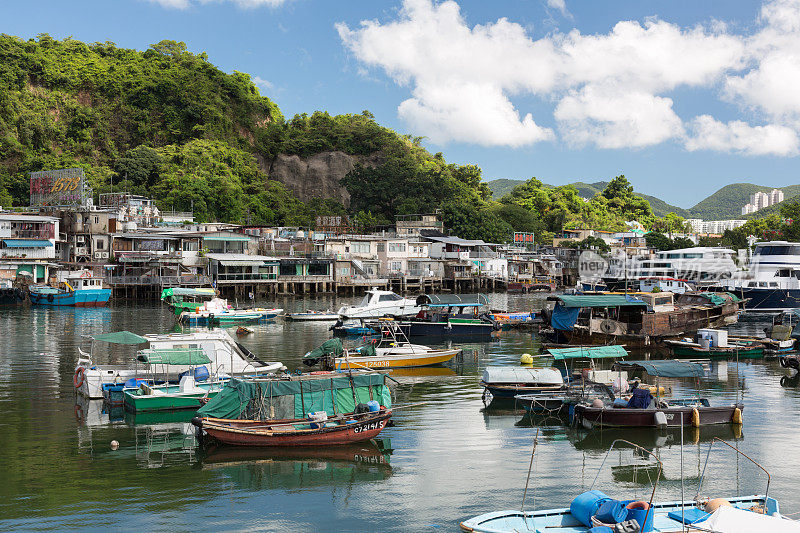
(79,377)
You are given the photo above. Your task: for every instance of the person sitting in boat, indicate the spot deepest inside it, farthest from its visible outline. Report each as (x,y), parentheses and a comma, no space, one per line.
(640,398)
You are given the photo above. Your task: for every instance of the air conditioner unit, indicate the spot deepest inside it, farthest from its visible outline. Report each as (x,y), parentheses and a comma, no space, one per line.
(104,255)
(97,255)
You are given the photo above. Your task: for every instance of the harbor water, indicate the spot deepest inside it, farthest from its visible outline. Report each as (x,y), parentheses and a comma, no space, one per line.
(443,461)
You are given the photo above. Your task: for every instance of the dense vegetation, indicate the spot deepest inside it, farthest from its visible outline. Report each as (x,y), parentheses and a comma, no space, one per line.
(167,123)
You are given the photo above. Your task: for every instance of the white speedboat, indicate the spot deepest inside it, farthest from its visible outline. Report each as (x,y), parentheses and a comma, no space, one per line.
(378,303)
(227,358)
(773,280)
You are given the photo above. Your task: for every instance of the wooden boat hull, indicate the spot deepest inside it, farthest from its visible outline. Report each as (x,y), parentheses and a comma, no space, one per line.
(640,418)
(435,357)
(253,433)
(447,329)
(711,353)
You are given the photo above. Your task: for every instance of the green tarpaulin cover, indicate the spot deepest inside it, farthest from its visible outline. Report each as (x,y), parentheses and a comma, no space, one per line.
(597,300)
(121,337)
(265,399)
(720,298)
(174,356)
(332,347)
(588,352)
(669,369)
(182,291)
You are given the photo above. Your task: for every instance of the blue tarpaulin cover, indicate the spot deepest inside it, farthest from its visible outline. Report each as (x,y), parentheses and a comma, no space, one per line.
(564,318)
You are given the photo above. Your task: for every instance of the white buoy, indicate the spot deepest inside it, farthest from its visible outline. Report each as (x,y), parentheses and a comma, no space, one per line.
(114,445)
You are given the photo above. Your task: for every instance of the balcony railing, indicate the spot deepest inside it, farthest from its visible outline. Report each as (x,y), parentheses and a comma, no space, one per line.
(163,281)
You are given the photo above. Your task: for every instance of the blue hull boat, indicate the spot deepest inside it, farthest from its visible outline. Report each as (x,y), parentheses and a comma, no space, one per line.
(667,516)
(43,295)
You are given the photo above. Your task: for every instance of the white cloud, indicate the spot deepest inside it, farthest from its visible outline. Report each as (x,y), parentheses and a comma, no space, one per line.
(438,110)
(737,136)
(613,118)
(561,5)
(612,89)
(185,4)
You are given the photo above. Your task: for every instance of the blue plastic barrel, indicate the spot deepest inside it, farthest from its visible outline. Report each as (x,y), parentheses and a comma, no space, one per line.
(612,512)
(374,406)
(201,373)
(584,506)
(637,511)
(133,382)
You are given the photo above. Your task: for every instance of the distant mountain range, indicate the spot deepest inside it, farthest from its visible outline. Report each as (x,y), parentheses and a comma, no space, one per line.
(724,204)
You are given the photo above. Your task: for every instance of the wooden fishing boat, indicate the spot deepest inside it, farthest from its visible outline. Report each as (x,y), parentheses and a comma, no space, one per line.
(732,351)
(450,315)
(344,429)
(76,289)
(662,413)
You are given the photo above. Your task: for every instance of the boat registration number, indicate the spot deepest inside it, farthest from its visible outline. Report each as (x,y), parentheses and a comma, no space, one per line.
(378,424)
(377,363)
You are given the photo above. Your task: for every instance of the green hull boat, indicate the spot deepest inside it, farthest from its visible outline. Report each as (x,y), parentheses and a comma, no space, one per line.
(750,352)
(169,398)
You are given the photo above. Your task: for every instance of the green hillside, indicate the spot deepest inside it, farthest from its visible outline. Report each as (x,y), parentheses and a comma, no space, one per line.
(727,202)
(502,187)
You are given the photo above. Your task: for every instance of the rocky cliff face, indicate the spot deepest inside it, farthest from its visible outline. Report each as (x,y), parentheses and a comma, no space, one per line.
(318,176)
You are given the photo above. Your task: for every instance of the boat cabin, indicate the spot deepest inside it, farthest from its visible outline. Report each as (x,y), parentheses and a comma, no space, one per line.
(442,307)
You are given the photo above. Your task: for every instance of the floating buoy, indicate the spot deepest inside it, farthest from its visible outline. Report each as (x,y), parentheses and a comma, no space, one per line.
(716,503)
(526,359)
(737,416)
(695,417)
(114,445)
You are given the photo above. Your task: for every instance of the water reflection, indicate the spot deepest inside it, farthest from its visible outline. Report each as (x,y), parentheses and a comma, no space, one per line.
(302,467)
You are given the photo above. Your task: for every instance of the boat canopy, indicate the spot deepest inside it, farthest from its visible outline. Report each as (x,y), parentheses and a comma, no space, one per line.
(511,374)
(452,300)
(186,291)
(588,352)
(120,337)
(720,298)
(268,399)
(668,368)
(597,300)
(174,356)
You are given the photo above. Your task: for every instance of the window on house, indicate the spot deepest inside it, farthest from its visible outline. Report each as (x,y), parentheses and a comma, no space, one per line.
(397,247)
(381,247)
(96,220)
(100,245)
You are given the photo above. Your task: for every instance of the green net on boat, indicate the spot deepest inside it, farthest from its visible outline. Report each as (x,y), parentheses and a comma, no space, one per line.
(266,399)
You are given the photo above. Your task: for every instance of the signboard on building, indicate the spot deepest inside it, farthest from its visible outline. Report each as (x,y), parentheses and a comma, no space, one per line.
(333,225)
(60,188)
(523,238)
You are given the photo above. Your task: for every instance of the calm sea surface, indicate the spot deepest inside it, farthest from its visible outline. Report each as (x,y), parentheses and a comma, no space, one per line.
(444,461)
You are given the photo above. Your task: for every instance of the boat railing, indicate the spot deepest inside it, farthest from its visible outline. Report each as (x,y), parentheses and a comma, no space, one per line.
(738,451)
(641,449)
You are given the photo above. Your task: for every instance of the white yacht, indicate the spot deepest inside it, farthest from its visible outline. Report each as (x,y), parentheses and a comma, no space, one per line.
(772,282)
(226,358)
(701,265)
(378,303)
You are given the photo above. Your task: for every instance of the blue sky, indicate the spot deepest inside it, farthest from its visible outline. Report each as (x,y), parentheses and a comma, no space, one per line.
(677,95)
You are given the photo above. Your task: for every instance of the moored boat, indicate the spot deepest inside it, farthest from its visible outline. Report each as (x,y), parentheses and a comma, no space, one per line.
(661,412)
(218,312)
(180,299)
(378,303)
(715,344)
(226,355)
(391,350)
(295,411)
(504,382)
(594,511)
(451,315)
(75,289)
